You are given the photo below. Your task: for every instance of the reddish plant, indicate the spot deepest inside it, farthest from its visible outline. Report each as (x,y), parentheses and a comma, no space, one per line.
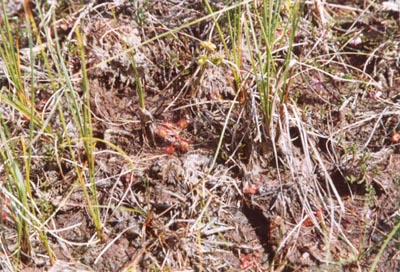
(170,150)
(183,145)
(183,123)
(395,137)
(252,189)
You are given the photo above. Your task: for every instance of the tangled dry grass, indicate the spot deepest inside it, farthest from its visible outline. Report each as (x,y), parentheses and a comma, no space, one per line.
(196,180)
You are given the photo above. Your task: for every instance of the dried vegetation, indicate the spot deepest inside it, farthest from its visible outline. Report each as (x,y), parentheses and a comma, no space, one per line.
(194,179)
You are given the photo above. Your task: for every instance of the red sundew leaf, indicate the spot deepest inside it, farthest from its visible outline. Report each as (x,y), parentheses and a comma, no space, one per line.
(395,138)
(183,145)
(251,189)
(183,123)
(162,132)
(170,150)
(308,222)
(246,261)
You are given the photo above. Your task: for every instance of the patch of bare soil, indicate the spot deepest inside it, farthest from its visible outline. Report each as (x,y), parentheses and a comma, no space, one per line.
(322,200)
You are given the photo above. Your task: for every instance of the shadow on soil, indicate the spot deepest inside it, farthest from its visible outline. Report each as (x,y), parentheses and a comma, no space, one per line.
(261,226)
